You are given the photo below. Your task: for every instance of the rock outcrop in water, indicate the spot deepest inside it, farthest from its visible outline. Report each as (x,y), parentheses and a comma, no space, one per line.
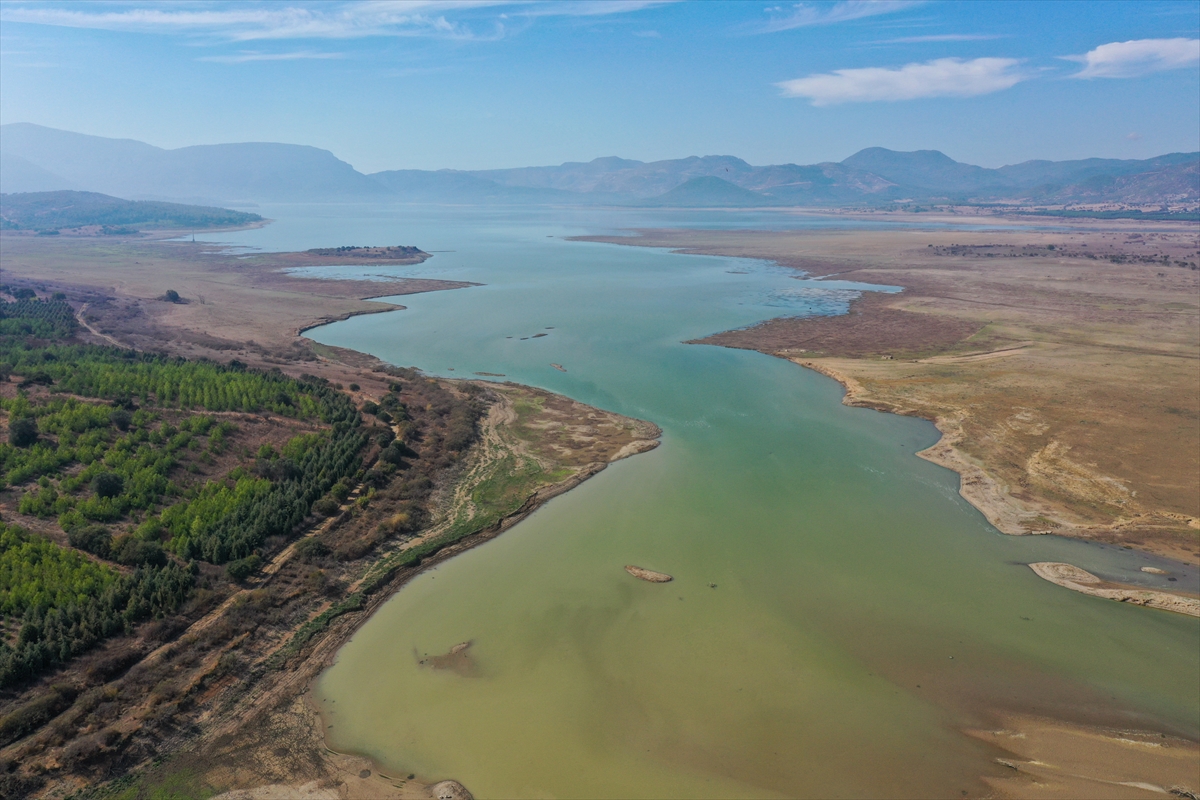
(648,574)
(451,790)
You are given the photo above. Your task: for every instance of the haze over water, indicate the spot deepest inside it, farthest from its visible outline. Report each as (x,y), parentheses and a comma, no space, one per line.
(838,613)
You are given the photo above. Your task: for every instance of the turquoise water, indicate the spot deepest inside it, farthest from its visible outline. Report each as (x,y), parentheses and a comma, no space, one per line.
(862,615)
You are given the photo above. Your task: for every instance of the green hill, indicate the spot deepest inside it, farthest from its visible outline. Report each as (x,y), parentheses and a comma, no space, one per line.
(50,211)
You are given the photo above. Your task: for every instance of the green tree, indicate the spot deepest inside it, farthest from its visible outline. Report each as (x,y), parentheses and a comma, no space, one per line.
(23,432)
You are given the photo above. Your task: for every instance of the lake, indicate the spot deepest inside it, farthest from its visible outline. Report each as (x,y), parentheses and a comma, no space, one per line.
(838,615)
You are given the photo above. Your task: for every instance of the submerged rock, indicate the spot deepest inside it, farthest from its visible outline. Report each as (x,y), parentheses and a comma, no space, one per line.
(648,574)
(451,790)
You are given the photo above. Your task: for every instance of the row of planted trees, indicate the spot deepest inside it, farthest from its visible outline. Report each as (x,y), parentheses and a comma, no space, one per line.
(98,459)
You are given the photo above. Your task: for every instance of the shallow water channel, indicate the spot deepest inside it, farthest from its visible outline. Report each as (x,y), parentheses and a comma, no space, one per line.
(838,616)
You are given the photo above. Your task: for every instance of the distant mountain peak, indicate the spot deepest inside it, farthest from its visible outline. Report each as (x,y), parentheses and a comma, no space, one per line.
(615,162)
(709,191)
(929,156)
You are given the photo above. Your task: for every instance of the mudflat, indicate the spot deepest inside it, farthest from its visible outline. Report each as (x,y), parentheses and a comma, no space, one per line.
(1061,367)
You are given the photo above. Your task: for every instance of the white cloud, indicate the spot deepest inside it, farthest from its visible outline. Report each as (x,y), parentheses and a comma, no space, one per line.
(648,34)
(1138,57)
(942,37)
(943,77)
(588,8)
(307,20)
(803,15)
(253,55)
(246,22)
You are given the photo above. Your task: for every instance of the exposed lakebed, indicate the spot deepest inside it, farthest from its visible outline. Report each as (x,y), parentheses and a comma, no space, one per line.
(837,615)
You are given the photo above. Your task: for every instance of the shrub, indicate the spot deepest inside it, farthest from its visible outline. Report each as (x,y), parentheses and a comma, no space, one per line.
(243,568)
(28,718)
(83,750)
(135,552)
(108,484)
(113,665)
(23,432)
(327,506)
(121,418)
(94,539)
(396,452)
(311,549)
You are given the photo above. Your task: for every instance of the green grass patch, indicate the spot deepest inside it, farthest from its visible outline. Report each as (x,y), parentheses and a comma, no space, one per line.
(162,780)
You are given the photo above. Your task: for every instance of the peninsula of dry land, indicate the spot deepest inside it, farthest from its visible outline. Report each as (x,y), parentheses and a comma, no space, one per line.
(231,304)
(211,697)
(1061,367)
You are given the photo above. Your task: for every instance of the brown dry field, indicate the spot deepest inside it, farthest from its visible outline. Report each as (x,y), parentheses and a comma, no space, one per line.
(242,305)
(1066,381)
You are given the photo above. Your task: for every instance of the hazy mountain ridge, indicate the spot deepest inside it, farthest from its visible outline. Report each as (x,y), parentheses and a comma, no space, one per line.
(228,172)
(36,158)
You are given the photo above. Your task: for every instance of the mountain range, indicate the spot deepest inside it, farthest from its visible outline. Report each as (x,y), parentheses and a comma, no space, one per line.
(36,158)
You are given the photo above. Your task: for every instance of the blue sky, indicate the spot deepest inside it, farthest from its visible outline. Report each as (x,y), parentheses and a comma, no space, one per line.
(475,85)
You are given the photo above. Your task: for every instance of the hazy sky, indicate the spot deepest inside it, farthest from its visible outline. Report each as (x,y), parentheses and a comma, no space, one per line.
(462,84)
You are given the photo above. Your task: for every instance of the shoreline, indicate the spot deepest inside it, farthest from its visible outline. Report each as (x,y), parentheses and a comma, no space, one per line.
(975,486)
(969,343)
(388,306)
(1000,509)
(348,762)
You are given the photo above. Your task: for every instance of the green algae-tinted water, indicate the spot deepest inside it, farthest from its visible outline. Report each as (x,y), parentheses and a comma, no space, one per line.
(838,613)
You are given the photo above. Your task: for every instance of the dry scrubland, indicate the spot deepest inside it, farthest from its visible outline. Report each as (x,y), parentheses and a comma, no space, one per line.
(212,698)
(1063,368)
